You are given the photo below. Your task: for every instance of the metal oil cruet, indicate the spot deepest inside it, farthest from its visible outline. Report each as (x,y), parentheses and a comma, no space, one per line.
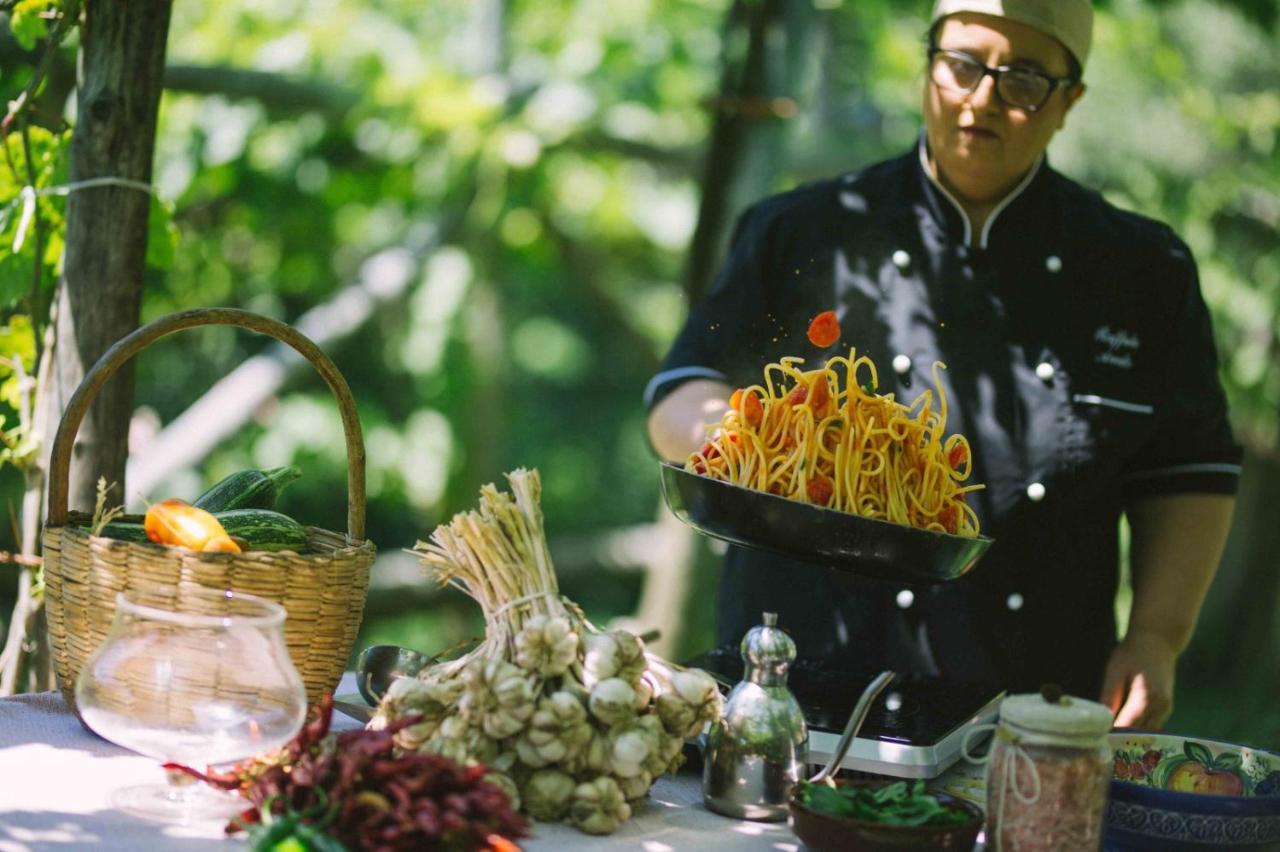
(758,751)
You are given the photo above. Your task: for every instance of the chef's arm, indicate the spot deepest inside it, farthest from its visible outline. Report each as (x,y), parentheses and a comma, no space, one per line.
(1174,548)
(678,423)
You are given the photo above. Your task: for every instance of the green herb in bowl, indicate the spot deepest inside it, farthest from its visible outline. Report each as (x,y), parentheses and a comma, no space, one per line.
(865,815)
(898,803)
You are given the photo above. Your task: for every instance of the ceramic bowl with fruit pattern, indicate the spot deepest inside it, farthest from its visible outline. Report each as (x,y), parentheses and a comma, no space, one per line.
(1173,793)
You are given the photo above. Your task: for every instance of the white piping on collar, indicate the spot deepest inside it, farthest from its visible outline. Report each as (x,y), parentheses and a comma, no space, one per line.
(995,211)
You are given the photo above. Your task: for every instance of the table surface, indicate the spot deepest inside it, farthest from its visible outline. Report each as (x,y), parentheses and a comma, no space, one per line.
(56,777)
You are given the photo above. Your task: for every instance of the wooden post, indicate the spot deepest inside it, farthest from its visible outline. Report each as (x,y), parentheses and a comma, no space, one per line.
(122,47)
(122,61)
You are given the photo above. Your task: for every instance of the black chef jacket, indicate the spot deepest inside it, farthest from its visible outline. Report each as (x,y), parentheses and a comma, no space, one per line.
(1080,366)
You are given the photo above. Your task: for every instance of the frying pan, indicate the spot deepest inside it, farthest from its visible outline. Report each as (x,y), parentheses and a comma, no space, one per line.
(843,542)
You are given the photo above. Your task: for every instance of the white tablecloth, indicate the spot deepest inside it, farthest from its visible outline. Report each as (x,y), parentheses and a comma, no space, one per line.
(56,777)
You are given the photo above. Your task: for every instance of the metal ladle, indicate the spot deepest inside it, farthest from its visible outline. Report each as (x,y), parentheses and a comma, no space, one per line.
(381,665)
(856,718)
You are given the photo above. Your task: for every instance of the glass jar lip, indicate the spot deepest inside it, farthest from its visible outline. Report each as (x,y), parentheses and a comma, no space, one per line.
(1020,735)
(1071,718)
(271,614)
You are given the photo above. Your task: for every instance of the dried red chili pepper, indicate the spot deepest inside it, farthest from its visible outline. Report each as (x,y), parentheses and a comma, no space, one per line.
(380,799)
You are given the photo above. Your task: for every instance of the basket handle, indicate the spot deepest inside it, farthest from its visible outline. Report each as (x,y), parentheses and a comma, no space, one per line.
(126,347)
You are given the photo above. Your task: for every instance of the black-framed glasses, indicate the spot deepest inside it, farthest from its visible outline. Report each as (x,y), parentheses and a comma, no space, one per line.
(1022,88)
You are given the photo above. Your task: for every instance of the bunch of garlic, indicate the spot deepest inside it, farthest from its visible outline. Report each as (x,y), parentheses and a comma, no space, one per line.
(579,721)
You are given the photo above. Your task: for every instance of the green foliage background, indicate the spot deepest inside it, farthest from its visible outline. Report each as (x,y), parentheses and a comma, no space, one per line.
(542,168)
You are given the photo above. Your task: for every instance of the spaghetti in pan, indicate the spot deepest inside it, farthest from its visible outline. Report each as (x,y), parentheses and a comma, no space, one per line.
(825,437)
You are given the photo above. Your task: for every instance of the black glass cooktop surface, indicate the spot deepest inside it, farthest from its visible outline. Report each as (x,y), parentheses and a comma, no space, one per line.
(913,709)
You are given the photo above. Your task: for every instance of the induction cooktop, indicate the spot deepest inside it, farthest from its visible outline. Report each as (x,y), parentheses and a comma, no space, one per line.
(915,729)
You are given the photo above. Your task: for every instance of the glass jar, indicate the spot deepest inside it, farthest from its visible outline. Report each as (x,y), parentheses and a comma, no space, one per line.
(1048,775)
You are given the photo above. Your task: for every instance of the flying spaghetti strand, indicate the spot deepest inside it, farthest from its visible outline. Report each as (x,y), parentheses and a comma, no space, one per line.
(825,437)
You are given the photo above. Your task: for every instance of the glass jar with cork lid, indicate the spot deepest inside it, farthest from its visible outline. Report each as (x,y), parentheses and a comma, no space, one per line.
(1049,772)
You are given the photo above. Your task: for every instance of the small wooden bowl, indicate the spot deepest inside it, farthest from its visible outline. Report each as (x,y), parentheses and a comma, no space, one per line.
(828,833)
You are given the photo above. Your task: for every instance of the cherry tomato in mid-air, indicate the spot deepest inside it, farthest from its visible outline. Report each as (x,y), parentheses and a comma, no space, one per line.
(824,329)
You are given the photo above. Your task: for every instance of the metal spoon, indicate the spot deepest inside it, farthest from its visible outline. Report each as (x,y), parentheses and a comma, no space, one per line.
(851,727)
(380,665)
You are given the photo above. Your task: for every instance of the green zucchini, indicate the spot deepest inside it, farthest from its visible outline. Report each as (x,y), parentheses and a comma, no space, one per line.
(264,529)
(125,530)
(247,489)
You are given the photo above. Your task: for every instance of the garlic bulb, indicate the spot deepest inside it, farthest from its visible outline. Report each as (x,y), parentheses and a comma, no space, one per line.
(504,783)
(613,701)
(407,696)
(593,758)
(676,714)
(459,740)
(546,646)
(500,695)
(599,659)
(617,653)
(558,731)
(660,744)
(631,660)
(635,788)
(631,747)
(548,794)
(692,701)
(598,806)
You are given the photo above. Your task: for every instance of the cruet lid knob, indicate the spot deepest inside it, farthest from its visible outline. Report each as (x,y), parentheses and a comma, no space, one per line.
(767,651)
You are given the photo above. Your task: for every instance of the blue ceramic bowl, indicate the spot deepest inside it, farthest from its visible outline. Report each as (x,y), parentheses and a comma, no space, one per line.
(1170,793)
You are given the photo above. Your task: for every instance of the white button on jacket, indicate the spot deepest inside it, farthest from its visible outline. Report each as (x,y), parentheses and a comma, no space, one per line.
(902,364)
(1014,602)
(1035,492)
(1045,371)
(906,598)
(901,259)
(1053,263)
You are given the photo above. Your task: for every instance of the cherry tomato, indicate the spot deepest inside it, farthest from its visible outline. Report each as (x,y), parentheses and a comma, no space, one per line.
(959,453)
(950,519)
(819,490)
(819,394)
(752,411)
(824,329)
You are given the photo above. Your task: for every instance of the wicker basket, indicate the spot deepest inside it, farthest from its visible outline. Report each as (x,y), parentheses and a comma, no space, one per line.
(323,591)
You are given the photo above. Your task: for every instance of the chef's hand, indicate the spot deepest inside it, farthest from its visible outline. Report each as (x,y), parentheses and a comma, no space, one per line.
(1138,685)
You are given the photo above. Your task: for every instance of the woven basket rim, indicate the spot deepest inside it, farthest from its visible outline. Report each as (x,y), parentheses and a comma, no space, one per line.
(351,549)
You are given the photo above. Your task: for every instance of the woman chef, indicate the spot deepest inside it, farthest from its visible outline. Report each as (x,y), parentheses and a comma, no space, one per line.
(1080,366)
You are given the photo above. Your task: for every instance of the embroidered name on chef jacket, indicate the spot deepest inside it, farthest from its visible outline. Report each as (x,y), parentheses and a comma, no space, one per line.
(1118,346)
